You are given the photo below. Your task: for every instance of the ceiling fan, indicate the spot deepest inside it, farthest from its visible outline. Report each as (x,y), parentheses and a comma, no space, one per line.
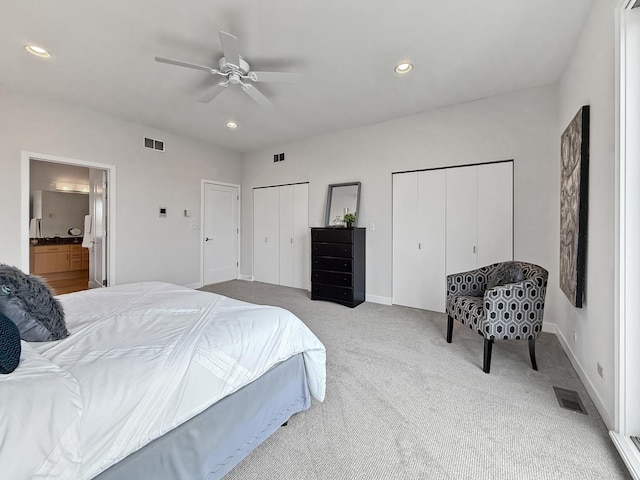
(236,71)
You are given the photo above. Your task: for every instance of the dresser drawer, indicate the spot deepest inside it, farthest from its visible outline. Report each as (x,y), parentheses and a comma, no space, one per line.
(336,235)
(329,292)
(335,264)
(332,249)
(332,278)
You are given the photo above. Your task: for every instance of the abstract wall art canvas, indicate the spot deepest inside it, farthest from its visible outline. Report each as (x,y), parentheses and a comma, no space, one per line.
(573,206)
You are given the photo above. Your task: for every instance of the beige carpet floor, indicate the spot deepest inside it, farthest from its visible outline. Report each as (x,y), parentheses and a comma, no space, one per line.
(403,404)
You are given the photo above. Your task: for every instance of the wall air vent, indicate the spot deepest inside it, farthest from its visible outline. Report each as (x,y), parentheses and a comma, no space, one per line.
(154,144)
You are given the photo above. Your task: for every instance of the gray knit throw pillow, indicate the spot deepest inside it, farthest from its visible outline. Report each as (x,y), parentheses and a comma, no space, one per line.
(10,346)
(504,274)
(27,301)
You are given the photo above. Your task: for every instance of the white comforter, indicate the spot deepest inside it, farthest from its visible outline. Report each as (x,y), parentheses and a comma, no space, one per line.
(141,359)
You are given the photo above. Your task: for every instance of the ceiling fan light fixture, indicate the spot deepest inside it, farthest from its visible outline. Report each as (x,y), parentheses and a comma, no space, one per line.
(404,67)
(37,51)
(232,125)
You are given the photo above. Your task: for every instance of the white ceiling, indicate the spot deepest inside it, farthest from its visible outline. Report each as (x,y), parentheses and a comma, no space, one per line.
(103,58)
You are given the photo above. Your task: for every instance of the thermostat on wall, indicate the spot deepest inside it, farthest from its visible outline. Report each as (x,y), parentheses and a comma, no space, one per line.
(163,212)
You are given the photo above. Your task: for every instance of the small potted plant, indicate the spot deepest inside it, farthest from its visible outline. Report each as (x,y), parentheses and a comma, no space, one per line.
(349,219)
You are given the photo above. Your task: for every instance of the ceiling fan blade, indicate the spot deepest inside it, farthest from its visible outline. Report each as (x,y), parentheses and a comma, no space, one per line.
(230,48)
(184,64)
(258,97)
(210,94)
(281,77)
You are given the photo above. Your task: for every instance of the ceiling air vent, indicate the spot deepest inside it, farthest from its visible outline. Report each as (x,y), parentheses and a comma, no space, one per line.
(154,144)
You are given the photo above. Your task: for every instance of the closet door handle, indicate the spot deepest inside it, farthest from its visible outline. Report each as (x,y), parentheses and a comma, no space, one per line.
(266,239)
(291,239)
(419,246)
(474,249)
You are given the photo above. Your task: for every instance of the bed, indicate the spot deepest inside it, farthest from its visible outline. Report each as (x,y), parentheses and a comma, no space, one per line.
(155,381)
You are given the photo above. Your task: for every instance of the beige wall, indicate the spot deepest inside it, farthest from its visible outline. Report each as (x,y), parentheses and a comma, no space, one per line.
(519,126)
(147,247)
(589,80)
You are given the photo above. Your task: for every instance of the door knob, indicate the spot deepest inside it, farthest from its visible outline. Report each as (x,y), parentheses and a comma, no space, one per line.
(207,239)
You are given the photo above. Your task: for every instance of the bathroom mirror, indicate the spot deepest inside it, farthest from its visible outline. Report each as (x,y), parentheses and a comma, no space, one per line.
(59,212)
(342,198)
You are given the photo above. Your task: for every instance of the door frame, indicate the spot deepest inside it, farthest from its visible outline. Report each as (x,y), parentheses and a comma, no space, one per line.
(627,252)
(25,188)
(203,184)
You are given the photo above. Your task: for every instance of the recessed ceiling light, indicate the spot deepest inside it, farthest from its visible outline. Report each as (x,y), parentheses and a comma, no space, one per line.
(37,51)
(232,125)
(404,68)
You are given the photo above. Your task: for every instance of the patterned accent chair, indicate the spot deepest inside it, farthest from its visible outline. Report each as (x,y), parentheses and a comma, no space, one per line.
(500,301)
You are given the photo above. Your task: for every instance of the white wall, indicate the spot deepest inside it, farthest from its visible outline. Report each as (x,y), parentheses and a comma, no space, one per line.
(519,126)
(589,80)
(147,247)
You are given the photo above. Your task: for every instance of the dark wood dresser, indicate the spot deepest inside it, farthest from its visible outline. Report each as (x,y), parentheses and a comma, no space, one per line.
(338,265)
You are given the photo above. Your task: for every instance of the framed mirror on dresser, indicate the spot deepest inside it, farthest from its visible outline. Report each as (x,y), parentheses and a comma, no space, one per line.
(342,198)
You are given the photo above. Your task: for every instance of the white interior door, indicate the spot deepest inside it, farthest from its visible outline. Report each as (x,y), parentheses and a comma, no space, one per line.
(406,289)
(301,239)
(259,233)
(266,240)
(495,213)
(98,211)
(286,235)
(432,224)
(419,239)
(462,219)
(220,230)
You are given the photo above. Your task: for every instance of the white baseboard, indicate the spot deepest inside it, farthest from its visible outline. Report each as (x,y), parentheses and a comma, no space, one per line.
(248,278)
(378,299)
(549,327)
(591,390)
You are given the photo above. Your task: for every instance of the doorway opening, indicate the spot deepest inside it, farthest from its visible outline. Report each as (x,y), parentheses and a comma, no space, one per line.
(68,233)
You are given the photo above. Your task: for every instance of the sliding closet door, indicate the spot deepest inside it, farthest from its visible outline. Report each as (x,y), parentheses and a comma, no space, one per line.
(286,235)
(462,219)
(294,235)
(431,215)
(281,235)
(266,221)
(448,221)
(495,213)
(301,236)
(406,284)
(419,239)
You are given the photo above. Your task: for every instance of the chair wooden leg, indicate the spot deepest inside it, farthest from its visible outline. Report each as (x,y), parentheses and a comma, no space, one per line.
(532,353)
(488,344)
(449,328)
